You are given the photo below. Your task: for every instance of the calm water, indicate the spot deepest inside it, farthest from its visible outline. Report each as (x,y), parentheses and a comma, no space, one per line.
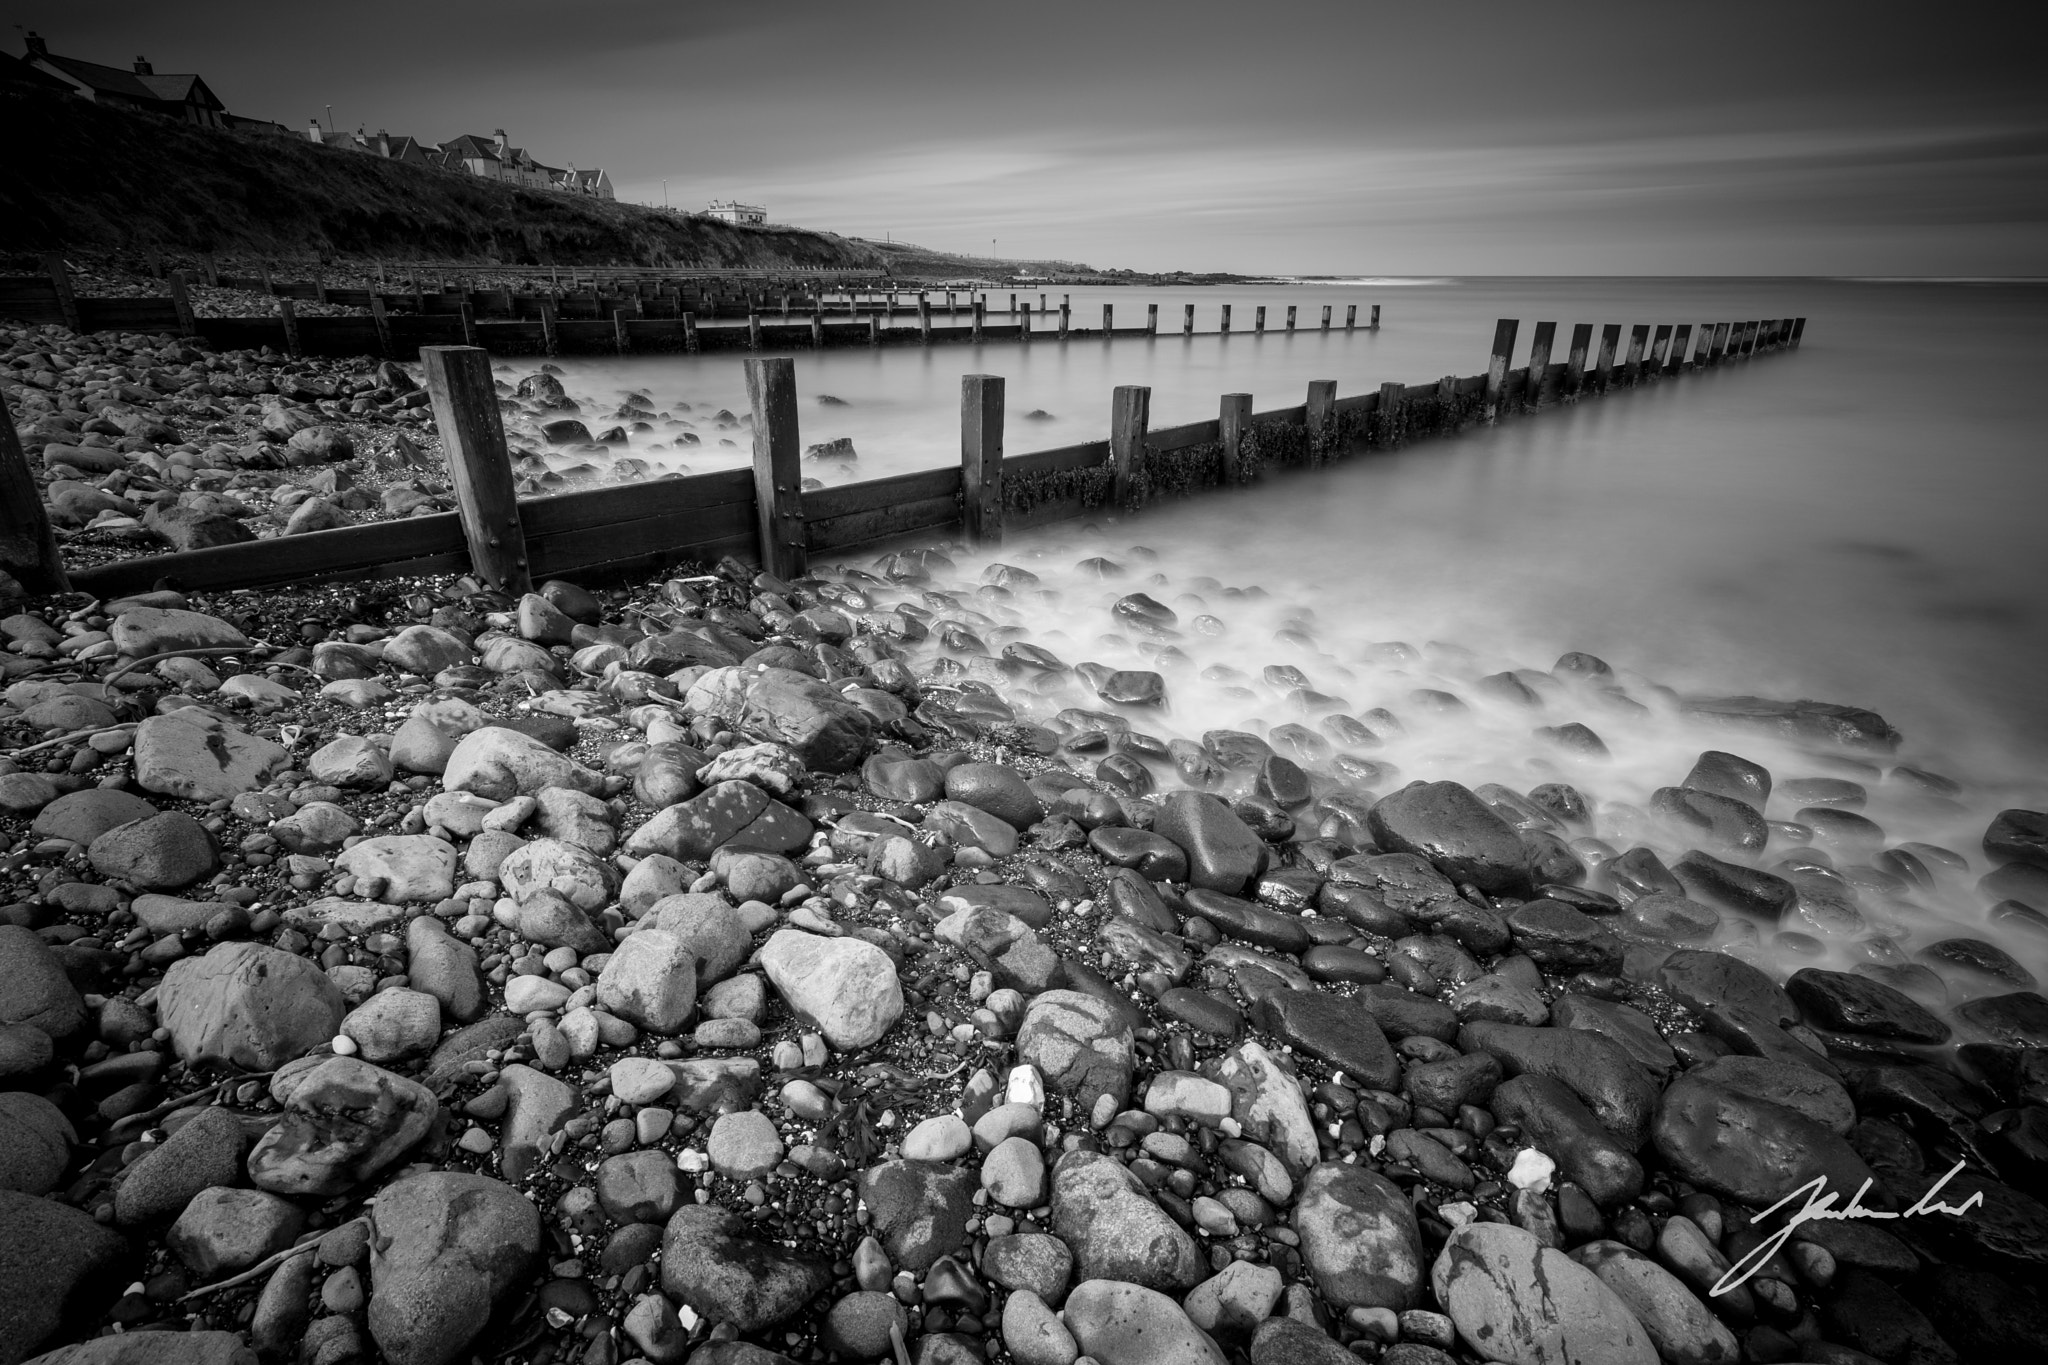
(1856,521)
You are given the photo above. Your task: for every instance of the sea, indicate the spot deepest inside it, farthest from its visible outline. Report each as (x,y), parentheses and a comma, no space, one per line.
(1857,521)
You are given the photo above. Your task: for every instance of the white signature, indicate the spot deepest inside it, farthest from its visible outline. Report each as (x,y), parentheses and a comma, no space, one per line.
(1820,1205)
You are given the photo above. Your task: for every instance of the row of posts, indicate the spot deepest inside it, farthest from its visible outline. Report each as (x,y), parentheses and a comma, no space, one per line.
(1651,354)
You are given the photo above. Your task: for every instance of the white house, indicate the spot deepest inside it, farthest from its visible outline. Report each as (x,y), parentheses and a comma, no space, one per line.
(732,211)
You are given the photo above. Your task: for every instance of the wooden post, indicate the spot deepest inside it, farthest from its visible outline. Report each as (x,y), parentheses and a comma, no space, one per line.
(1013,305)
(1066,319)
(778,479)
(1108,321)
(785,308)
(209,269)
(1024,322)
(874,330)
(1748,338)
(1151,319)
(818,326)
(1798,331)
(382,320)
(1575,360)
(1224,326)
(1322,416)
(1540,343)
(1350,317)
(981,458)
(1679,342)
(924,320)
(1290,317)
(1497,365)
(419,295)
(1187,321)
(1259,321)
(1703,345)
(181,299)
(1638,337)
(548,341)
(1375,317)
(468,315)
(479,465)
(319,289)
(1130,415)
(269,285)
(1326,317)
(980,308)
(622,343)
(1233,417)
(290,317)
(753,331)
(28,547)
(1659,345)
(1393,402)
(60,281)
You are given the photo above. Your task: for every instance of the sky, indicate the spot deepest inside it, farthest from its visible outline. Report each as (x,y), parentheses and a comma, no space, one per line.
(1283,136)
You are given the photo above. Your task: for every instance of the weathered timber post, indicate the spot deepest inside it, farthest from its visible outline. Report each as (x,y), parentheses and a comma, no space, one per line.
(382,321)
(1224,326)
(1233,418)
(28,547)
(1717,345)
(1290,317)
(778,479)
(1259,320)
(1660,344)
(622,343)
(1540,343)
(1798,331)
(753,331)
(468,315)
(1326,317)
(1350,317)
(1130,416)
(874,329)
(1108,321)
(981,457)
(181,299)
(1322,419)
(1375,318)
(209,269)
(692,343)
(1703,346)
(1393,409)
(1497,364)
(1187,321)
(980,310)
(1681,340)
(1151,319)
(1013,305)
(1749,338)
(60,281)
(263,269)
(818,326)
(290,317)
(1575,360)
(319,289)
(785,308)
(473,446)
(1638,338)
(924,320)
(419,295)
(548,342)
(1024,323)
(1066,319)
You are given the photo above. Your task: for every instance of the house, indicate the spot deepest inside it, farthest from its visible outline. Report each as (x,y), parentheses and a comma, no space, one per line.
(594,183)
(732,211)
(407,149)
(494,158)
(183,97)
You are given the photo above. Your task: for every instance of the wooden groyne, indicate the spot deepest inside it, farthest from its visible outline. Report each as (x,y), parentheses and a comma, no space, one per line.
(642,315)
(762,515)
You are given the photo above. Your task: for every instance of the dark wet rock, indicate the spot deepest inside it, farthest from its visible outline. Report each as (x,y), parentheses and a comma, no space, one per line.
(1286,1341)
(1732,776)
(1983,1315)
(1635,1031)
(1825,722)
(1552,1116)
(1719,820)
(1864,1312)
(1457,832)
(58,1269)
(1240,919)
(1359,1236)
(1749,1149)
(1339,1031)
(1266,1100)
(1799,1088)
(2018,836)
(1403,1014)
(825,730)
(1082,1046)
(1150,854)
(34,989)
(1562,940)
(1522,1301)
(2020,882)
(711,1261)
(1672,918)
(1132,687)
(1975,957)
(1223,853)
(1114,1228)
(1640,872)
(1747,1033)
(1700,978)
(997,789)
(1682,1328)
(1574,737)
(2005,1228)
(1856,1004)
(344,1121)
(1337,962)
(1455,1081)
(919,1209)
(164,852)
(1597,1069)
(204,1152)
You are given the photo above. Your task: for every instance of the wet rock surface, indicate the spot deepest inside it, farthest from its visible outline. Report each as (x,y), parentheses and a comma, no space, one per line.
(777,979)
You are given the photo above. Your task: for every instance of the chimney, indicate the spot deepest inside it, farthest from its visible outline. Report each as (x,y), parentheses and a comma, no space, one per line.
(143,68)
(502,140)
(36,46)
(313,131)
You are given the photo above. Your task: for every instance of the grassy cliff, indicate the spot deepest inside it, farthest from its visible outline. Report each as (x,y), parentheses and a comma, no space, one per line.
(87,177)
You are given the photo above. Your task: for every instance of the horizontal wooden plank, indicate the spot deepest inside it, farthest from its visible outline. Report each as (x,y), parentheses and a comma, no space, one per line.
(634,501)
(121,315)
(239,334)
(1181,437)
(14,288)
(286,559)
(1296,416)
(1045,513)
(861,528)
(1084,456)
(645,538)
(871,494)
